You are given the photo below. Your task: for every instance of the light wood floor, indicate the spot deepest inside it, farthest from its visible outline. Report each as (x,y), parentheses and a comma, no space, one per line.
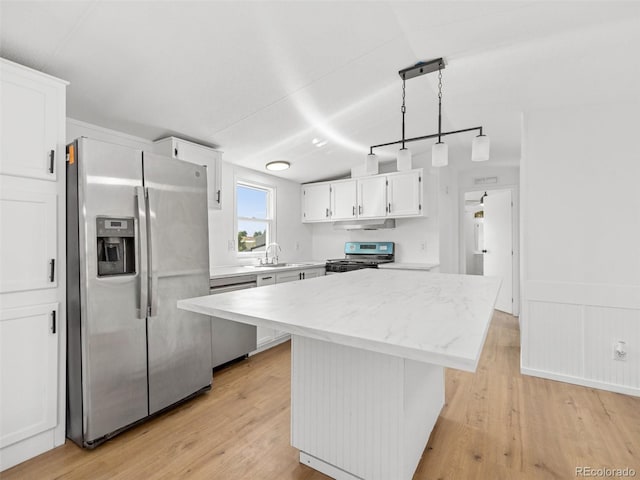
(496,424)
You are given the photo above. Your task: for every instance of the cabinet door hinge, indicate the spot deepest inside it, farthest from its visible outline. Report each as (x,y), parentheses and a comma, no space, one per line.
(419,179)
(419,206)
(386,182)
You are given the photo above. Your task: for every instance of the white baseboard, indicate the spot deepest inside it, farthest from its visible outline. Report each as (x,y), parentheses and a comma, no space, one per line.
(581,381)
(272,343)
(16,453)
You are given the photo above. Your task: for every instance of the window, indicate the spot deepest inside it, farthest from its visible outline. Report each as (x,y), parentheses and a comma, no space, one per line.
(254,217)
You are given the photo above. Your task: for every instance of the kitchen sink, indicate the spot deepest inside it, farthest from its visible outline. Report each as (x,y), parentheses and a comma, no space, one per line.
(281,265)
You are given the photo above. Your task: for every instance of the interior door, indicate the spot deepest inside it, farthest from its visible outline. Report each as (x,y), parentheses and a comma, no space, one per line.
(498,245)
(179,342)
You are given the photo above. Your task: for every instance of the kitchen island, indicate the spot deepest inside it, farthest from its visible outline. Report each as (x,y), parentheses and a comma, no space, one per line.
(369,349)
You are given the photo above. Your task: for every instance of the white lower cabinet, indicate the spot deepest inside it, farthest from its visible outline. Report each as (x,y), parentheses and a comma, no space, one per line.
(268,337)
(265,335)
(28,371)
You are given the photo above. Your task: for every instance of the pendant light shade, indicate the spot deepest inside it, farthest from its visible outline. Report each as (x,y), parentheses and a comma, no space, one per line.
(371,164)
(404,159)
(440,154)
(480,149)
(439,151)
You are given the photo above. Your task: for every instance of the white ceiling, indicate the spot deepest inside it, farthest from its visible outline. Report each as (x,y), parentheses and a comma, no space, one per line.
(261,80)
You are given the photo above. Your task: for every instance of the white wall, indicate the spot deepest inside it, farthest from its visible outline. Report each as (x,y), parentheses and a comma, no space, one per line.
(409,235)
(291,233)
(581,244)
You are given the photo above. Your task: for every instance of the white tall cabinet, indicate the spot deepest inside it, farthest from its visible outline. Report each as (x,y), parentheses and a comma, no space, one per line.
(32,263)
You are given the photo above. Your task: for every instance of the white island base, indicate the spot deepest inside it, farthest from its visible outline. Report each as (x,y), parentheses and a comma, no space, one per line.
(358,414)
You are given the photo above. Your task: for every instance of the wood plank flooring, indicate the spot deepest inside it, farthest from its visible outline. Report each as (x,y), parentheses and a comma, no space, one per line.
(496,424)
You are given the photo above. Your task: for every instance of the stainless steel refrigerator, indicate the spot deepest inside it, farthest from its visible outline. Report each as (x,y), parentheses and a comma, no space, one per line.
(137,242)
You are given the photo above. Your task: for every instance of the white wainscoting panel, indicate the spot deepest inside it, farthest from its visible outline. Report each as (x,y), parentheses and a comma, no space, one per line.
(363,414)
(569,331)
(603,327)
(554,338)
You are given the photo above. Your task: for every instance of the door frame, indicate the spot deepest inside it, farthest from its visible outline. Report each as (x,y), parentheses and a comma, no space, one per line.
(515,232)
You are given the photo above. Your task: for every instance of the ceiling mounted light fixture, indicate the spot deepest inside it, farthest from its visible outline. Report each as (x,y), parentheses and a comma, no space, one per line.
(277,165)
(439,151)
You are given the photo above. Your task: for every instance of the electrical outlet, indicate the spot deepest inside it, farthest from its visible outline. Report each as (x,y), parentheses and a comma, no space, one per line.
(620,351)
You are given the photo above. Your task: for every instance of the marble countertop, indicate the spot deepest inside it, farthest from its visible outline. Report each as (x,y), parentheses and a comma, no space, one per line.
(408,266)
(439,318)
(237,270)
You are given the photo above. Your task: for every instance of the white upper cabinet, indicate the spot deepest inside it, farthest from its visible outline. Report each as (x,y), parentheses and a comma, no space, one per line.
(372,197)
(344,200)
(391,195)
(29,128)
(316,202)
(199,154)
(404,192)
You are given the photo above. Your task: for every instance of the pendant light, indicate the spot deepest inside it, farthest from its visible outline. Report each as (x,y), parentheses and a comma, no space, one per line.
(404,154)
(480,148)
(439,150)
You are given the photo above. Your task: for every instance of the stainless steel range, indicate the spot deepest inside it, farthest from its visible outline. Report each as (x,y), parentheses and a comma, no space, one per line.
(362,255)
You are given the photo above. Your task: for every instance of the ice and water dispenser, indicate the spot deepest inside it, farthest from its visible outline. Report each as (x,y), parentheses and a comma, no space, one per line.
(116,246)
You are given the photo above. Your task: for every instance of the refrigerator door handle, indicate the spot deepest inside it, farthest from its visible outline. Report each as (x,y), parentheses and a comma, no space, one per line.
(143,259)
(153,254)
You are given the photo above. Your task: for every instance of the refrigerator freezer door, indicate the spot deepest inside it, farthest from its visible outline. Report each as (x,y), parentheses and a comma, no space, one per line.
(113,356)
(179,342)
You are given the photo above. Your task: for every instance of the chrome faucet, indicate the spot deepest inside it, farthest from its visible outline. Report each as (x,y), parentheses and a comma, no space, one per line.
(266,253)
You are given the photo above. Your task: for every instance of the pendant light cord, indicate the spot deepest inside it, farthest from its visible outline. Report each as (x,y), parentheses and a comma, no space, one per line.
(439,104)
(403,109)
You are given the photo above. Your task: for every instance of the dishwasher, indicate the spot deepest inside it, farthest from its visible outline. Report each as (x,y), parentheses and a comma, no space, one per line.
(231,340)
